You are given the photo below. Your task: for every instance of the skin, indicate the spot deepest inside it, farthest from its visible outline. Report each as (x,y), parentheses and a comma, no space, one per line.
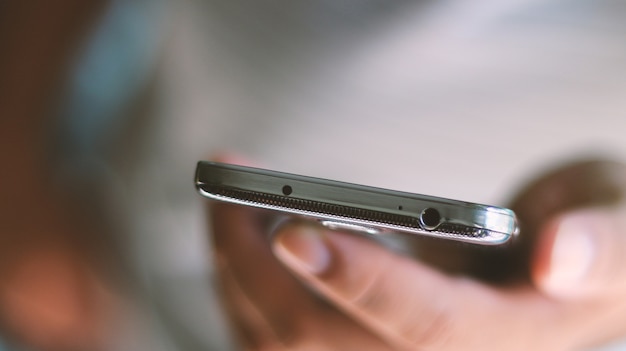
(51,297)
(304,287)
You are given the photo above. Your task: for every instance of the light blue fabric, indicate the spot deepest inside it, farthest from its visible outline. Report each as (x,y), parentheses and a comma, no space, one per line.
(114,65)
(5,347)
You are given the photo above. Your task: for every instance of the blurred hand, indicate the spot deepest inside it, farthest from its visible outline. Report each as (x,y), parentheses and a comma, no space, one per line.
(342,291)
(52,296)
(61,275)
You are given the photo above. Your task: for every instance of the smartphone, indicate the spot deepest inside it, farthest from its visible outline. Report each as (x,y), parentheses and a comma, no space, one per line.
(340,205)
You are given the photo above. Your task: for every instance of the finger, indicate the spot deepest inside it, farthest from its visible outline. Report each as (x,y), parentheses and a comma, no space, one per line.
(50,300)
(244,260)
(250,327)
(269,307)
(242,252)
(233,158)
(409,304)
(591,183)
(583,254)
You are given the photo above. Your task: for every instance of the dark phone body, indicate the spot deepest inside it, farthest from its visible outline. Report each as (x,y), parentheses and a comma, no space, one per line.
(356,207)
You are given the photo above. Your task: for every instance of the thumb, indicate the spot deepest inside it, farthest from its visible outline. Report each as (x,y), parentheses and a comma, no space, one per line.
(582,255)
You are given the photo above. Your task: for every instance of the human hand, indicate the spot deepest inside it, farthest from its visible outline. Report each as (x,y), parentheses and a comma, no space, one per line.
(347,292)
(53,292)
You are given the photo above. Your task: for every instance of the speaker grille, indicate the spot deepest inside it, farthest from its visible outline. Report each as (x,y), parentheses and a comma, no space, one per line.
(317,207)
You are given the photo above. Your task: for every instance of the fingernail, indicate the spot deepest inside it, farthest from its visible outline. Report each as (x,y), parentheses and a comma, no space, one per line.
(303,248)
(572,255)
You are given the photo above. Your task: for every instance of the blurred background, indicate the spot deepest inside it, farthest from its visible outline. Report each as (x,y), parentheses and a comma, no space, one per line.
(110,104)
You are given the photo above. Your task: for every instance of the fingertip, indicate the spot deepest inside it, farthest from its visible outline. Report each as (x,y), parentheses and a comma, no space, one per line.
(576,254)
(540,262)
(303,248)
(232,158)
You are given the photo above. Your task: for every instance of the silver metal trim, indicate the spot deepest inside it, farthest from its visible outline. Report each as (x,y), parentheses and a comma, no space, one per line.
(377,228)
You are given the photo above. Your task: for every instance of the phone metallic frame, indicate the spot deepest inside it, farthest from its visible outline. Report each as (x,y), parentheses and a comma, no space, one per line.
(349,206)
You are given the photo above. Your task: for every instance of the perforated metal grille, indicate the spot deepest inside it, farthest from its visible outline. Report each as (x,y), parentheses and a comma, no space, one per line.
(446,229)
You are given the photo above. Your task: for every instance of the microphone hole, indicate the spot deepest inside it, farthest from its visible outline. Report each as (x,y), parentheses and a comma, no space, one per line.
(287,190)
